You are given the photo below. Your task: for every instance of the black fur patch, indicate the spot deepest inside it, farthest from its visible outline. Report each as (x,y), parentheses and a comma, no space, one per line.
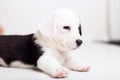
(21,48)
(80,30)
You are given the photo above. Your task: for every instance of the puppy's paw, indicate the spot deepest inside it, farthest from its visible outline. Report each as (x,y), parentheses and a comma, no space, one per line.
(80,68)
(61,72)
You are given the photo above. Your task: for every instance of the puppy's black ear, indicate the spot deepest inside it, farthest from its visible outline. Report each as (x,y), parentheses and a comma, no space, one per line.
(80,29)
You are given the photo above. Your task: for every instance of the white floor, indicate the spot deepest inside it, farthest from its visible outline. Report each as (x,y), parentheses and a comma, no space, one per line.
(104,60)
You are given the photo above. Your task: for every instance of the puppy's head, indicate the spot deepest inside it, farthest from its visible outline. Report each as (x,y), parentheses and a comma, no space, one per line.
(64,27)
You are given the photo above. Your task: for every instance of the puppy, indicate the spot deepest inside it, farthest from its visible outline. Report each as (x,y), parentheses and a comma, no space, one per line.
(47,49)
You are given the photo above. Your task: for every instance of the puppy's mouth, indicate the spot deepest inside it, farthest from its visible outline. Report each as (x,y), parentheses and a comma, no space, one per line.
(76,47)
(72,46)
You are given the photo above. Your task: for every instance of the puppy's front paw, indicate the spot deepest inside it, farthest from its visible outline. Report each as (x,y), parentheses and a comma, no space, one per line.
(61,72)
(80,68)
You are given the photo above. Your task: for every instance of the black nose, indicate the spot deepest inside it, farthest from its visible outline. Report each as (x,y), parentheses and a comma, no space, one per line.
(78,42)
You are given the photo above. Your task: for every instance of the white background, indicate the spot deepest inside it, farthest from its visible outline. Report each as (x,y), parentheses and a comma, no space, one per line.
(21,16)
(114,19)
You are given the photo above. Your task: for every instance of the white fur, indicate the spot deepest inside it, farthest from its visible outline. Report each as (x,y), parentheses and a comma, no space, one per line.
(2,62)
(19,64)
(57,42)
(50,65)
(51,26)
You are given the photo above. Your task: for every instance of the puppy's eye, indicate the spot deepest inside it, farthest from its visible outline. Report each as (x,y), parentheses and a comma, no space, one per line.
(66,27)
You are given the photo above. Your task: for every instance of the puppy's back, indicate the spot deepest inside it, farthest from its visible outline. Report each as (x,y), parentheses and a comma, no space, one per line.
(19,48)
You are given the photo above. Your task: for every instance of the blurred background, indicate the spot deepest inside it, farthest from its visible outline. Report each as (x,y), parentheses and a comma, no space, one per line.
(100,20)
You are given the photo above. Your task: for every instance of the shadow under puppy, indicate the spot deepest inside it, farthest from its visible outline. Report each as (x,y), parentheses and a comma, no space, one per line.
(48,49)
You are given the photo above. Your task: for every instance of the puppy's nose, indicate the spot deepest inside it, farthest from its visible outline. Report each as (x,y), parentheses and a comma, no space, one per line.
(78,42)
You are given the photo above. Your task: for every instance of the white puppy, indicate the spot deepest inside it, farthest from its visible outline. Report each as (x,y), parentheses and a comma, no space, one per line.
(48,49)
(62,29)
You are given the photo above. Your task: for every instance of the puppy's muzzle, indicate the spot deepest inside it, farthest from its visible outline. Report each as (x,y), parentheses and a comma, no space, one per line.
(78,42)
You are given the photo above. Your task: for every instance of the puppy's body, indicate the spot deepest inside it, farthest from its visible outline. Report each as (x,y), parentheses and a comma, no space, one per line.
(32,51)
(19,48)
(48,49)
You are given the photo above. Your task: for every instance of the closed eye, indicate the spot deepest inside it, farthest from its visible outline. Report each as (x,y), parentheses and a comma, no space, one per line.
(66,27)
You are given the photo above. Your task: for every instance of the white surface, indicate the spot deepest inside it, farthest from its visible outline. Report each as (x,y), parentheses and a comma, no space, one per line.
(104,60)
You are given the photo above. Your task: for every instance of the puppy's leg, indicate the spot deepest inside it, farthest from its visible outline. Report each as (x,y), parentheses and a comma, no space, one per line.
(75,65)
(50,65)
(2,63)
